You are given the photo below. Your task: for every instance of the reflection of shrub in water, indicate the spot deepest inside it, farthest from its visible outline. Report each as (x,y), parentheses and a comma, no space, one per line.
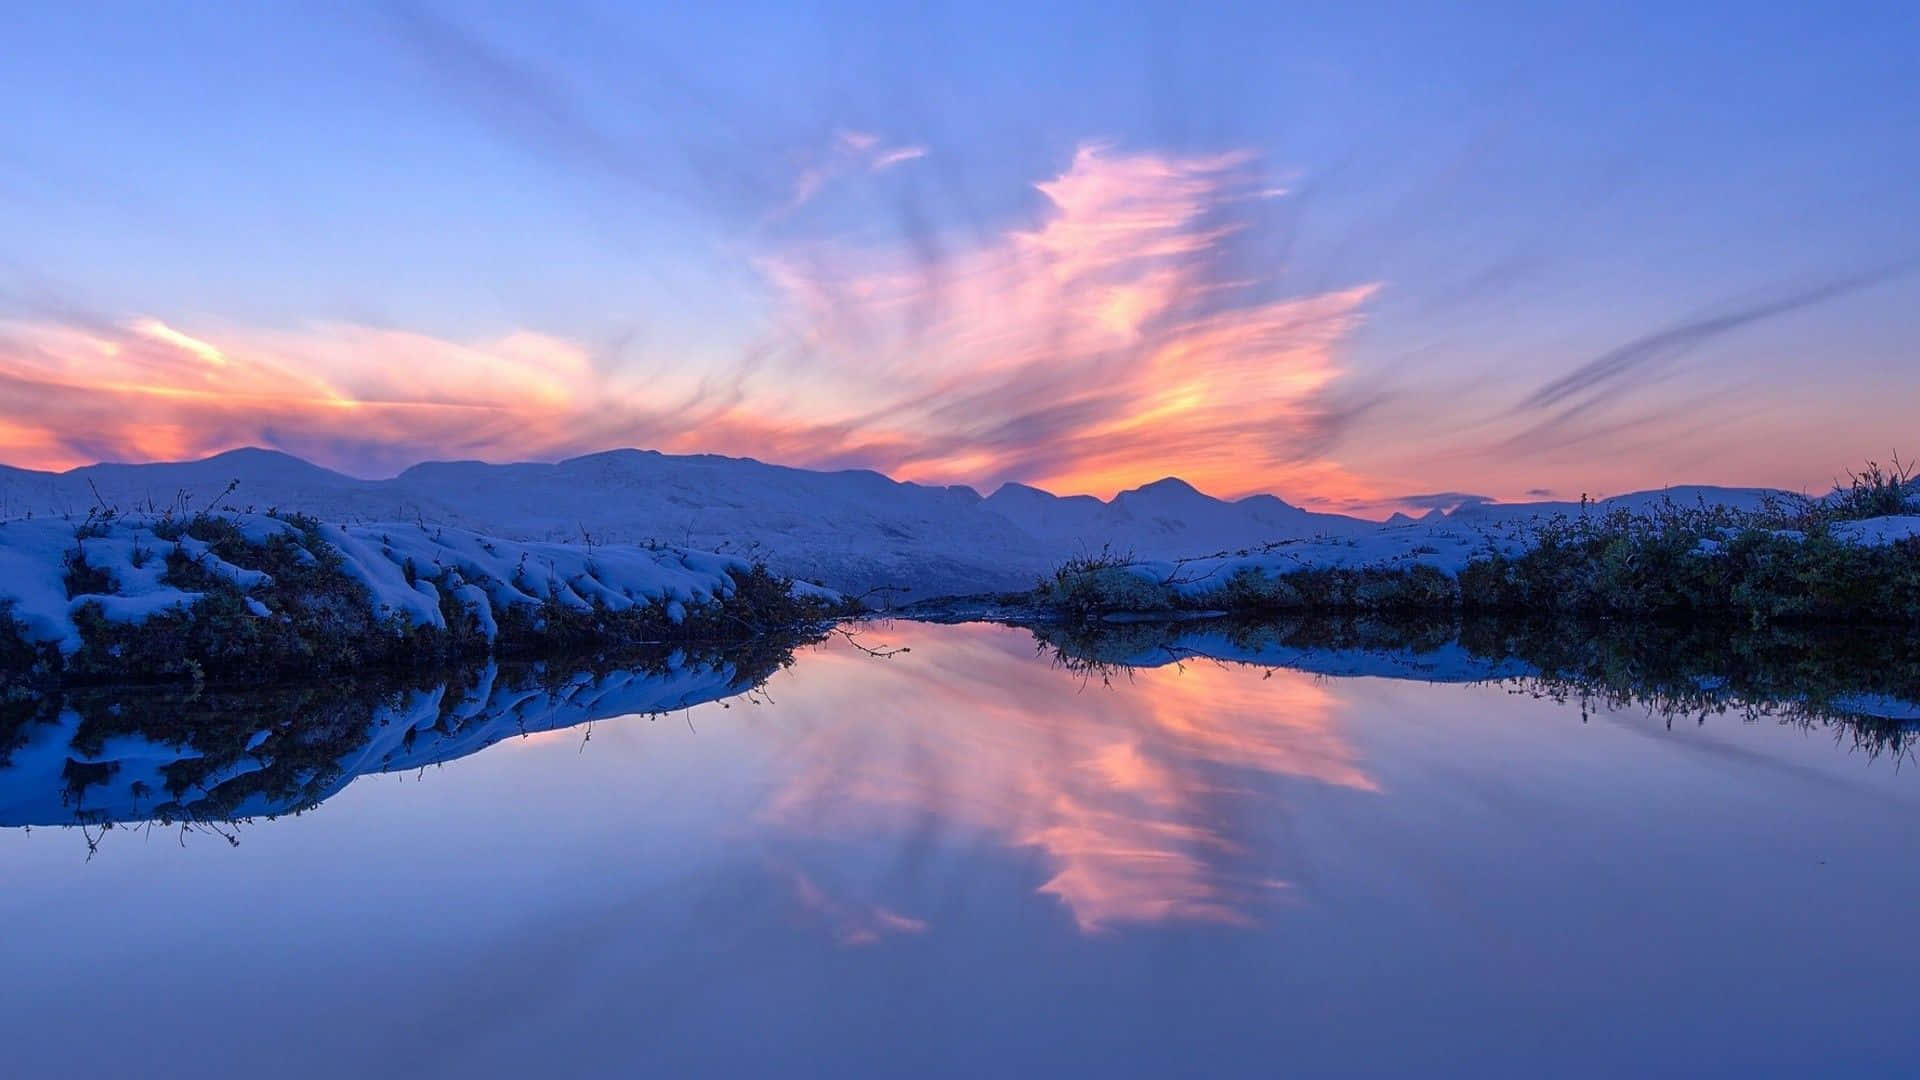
(1114,642)
(1808,674)
(1805,674)
(1105,649)
(280,749)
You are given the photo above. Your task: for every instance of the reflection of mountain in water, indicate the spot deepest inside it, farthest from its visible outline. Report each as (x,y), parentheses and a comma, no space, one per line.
(222,754)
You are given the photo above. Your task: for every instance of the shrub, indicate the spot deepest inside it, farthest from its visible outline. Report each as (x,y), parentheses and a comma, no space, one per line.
(1875,491)
(83,579)
(1101,582)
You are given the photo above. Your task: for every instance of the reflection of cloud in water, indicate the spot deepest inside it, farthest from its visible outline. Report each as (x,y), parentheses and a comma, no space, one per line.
(849,922)
(1144,796)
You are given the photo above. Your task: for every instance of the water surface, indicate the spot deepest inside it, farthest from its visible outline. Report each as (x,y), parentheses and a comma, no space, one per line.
(964,859)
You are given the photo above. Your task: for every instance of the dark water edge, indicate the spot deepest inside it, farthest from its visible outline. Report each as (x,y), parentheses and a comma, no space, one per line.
(215,755)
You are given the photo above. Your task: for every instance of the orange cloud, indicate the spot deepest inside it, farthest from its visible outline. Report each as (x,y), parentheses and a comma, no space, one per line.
(1103,346)
(340,394)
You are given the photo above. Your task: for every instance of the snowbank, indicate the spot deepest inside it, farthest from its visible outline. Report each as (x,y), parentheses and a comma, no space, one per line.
(1877,532)
(1445,546)
(1667,559)
(56,574)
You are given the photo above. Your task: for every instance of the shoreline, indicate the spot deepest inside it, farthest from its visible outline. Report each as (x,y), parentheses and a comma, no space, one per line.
(218,594)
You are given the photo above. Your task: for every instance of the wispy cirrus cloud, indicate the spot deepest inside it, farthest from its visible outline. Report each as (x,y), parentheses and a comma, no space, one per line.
(848,153)
(1571,409)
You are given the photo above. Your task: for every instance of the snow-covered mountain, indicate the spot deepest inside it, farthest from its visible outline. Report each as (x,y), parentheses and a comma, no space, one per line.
(1684,495)
(853,530)
(1167,518)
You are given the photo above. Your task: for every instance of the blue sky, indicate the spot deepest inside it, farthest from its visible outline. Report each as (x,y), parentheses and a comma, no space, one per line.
(1710,210)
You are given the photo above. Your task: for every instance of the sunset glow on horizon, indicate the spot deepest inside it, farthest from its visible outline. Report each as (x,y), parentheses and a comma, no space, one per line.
(535,258)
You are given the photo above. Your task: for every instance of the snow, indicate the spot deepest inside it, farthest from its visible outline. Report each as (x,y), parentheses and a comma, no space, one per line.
(1445,545)
(1878,532)
(31,570)
(853,531)
(485,574)
(510,573)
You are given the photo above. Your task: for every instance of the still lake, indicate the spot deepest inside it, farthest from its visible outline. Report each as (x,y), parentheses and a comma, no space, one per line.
(965,859)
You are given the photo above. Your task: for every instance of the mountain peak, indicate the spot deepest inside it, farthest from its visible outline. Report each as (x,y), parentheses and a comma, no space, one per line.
(621,455)
(255,455)
(248,452)
(1166,485)
(1014,489)
(1266,501)
(252,461)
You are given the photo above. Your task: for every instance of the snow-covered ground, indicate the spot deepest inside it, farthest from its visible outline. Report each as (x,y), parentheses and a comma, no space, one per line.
(1446,543)
(398,562)
(853,531)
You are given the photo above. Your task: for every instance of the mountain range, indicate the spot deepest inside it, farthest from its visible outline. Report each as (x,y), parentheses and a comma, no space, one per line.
(853,530)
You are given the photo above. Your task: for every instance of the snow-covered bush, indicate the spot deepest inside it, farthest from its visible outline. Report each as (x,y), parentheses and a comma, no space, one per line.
(1105,581)
(1815,561)
(229,594)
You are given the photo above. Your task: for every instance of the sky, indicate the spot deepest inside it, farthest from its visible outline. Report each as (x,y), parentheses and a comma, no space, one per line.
(1365,257)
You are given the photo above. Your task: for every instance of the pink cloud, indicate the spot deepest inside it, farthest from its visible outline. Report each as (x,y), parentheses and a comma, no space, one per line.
(1098,347)
(887,159)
